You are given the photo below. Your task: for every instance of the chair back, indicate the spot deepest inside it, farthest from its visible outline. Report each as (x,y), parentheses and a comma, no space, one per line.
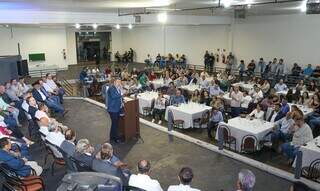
(9,174)
(249,144)
(225,131)
(314,170)
(71,166)
(52,149)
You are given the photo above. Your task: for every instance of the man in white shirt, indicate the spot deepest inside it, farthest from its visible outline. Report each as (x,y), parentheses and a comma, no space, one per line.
(281,128)
(246,99)
(55,136)
(280,86)
(203,82)
(142,179)
(185,178)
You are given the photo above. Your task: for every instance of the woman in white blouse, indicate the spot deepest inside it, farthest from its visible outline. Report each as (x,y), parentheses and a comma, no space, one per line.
(257,113)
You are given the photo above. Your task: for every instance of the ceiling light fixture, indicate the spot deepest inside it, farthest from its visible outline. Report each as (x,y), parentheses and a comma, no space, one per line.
(303,7)
(249,3)
(77,26)
(227,3)
(94,26)
(162,17)
(130,26)
(118,26)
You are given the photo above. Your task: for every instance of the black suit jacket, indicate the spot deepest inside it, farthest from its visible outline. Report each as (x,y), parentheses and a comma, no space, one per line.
(108,168)
(279,116)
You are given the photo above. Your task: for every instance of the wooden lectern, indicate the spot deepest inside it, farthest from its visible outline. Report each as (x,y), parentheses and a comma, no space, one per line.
(129,126)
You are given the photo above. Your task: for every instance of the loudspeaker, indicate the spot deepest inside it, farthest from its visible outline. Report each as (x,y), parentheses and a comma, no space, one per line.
(23,69)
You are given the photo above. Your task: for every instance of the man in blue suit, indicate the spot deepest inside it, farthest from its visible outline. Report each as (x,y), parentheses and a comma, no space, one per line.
(19,165)
(115,105)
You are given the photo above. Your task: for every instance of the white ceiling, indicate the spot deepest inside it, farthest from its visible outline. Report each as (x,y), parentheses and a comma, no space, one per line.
(131,6)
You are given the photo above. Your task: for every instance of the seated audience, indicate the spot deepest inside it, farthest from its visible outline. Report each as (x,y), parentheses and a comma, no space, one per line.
(185,178)
(246,180)
(314,120)
(302,134)
(55,135)
(142,179)
(181,81)
(84,152)
(159,108)
(214,89)
(285,108)
(313,86)
(276,114)
(246,99)
(289,96)
(53,86)
(7,106)
(42,96)
(205,98)
(316,72)
(152,76)
(300,86)
(308,70)
(265,87)
(196,96)
(68,145)
(282,129)
(177,99)
(296,70)
(203,82)
(192,79)
(215,119)
(11,92)
(314,102)
(257,113)
(22,87)
(22,166)
(304,99)
(281,86)
(280,68)
(172,89)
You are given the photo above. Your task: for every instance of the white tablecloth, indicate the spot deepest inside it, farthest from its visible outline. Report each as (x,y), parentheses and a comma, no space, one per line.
(294,91)
(191,88)
(187,113)
(158,83)
(240,127)
(306,110)
(145,99)
(310,152)
(245,86)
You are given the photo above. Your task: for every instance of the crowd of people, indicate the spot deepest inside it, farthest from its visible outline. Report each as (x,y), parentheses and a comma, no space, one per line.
(22,102)
(166,61)
(292,128)
(126,57)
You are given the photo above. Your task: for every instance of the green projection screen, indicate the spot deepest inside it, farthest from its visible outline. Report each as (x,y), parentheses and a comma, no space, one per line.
(37,57)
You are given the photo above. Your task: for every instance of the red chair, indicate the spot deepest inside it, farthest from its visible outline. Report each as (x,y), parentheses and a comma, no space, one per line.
(227,138)
(30,183)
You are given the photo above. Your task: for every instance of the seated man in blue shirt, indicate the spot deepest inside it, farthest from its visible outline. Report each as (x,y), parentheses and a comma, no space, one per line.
(308,70)
(177,99)
(280,86)
(214,120)
(285,108)
(19,165)
(281,129)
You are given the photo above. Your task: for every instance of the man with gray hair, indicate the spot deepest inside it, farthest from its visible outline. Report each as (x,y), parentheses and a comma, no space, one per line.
(84,152)
(246,180)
